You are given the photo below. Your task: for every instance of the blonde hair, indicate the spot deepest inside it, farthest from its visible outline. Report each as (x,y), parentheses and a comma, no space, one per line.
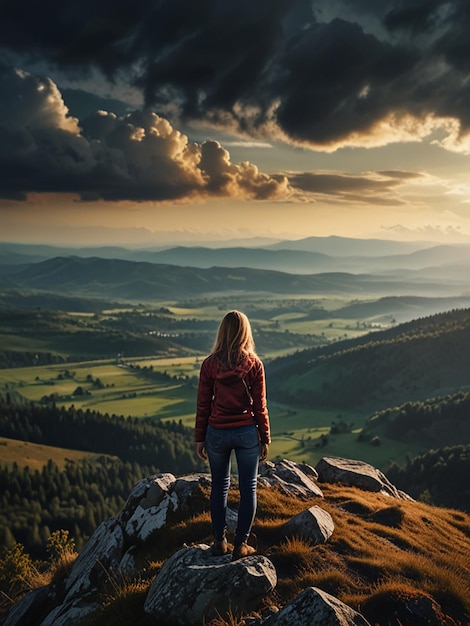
(234,338)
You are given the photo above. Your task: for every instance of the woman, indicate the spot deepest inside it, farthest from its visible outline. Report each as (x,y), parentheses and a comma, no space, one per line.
(232,415)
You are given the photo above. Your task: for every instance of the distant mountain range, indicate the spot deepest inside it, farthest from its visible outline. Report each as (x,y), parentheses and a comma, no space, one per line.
(131,280)
(306,256)
(350,246)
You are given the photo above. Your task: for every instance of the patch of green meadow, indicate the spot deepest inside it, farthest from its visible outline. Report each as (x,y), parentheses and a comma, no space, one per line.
(126,388)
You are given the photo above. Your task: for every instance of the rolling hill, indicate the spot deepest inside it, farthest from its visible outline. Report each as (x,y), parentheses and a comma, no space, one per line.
(413,361)
(128,280)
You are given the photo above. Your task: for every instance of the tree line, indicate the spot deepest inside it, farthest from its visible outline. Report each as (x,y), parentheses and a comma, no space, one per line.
(166,446)
(432,422)
(438,477)
(36,503)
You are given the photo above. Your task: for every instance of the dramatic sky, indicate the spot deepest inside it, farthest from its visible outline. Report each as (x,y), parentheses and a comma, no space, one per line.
(140,120)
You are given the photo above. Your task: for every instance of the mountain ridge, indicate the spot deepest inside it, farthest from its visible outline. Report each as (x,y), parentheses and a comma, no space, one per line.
(118,278)
(283,257)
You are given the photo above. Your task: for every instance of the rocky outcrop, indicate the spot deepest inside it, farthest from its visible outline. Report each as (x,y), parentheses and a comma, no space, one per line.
(194,586)
(35,605)
(314,606)
(293,479)
(314,525)
(357,474)
(72,612)
(102,553)
(147,507)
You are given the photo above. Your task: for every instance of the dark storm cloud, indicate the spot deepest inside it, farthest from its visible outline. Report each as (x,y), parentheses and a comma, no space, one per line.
(321,73)
(138,156)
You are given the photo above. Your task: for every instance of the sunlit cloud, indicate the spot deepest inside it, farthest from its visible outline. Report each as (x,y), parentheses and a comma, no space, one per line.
(139,156)
(377,188)
(263,145)
(432,231)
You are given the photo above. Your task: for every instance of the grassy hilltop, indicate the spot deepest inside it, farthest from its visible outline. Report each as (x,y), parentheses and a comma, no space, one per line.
(383,554)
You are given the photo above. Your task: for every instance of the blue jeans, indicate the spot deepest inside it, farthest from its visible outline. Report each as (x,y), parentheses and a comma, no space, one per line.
(219,444)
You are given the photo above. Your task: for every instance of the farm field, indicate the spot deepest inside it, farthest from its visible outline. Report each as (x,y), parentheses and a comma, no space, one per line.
(127,388)
(162,385)
(108,387)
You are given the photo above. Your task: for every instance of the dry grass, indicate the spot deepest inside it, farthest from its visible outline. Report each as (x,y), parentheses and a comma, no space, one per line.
(61,567)
(123,603)
(383,552)
(230,619)
(23,575)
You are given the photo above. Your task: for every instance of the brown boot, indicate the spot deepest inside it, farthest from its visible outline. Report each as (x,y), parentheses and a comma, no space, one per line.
(219,548)
(241,550)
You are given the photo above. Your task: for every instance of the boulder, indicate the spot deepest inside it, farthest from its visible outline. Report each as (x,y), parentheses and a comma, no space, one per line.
(185,487)
(102,553)
(151,509)
(314,525)
(72,613)
(291,478)
(357,474)
(131,562)
(414,608)
(32,608)
(146,492)
(193,586)
(314,606)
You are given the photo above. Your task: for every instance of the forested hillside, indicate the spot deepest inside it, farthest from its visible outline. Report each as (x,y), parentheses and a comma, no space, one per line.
(160,445)
(78,498)
(439,476)
(413,361)
(44,337)
(35,503)
(434,422)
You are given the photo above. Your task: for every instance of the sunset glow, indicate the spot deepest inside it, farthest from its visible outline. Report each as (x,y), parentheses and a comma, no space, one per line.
(246,120)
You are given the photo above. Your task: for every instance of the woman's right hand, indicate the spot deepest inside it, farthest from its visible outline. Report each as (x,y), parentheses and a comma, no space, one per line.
(201,451)
(264,451)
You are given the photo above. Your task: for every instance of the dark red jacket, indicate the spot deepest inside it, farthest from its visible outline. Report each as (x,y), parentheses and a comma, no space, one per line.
(229,398)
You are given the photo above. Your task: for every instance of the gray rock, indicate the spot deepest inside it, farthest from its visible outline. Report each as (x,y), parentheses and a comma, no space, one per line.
(231,519)
(35,605)
(186,486)
(193,585)
(147,492)
(71,613)
(130,562)
(102,553)
(151,501)
(357,474)
(314,607)
(291,478)
(314,524)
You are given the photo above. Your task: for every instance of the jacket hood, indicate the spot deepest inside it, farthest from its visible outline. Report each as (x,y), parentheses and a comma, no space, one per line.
(224,373)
